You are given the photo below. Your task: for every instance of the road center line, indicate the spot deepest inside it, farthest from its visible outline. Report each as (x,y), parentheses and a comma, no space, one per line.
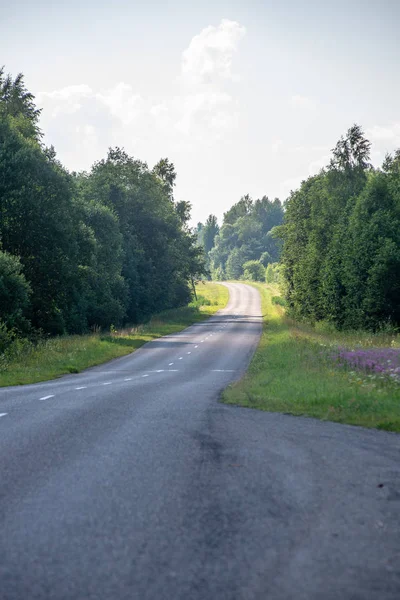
(128,379)
(180,358)
(189,353)
(81,387)
(196,346)
(47,397)
(170,364)
(144,375)
(107,383)
(3,414)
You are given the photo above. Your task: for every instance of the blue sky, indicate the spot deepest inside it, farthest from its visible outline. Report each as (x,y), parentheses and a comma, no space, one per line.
(244,97)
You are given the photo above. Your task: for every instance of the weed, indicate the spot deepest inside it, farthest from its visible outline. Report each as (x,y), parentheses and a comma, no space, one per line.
(293,372)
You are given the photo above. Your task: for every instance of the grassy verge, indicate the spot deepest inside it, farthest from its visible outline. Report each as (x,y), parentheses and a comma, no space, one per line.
(293,372)
(51,358)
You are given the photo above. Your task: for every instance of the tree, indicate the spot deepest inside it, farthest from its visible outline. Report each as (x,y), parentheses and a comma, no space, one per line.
(18,104)
(352,151)
(253,270)
(248,226)
(209,232)
(165,170)
(14,292)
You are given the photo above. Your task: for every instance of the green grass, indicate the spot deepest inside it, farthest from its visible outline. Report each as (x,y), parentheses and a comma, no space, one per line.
(51,358)
(292,372)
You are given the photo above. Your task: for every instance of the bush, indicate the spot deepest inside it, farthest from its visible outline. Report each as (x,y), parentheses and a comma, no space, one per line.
(272,273)
(253,270)
(279,300)
(14,292)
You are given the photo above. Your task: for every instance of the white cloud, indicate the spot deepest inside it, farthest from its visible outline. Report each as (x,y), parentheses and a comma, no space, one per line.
(123,102)
(209,55)
(77,118)
(303,102)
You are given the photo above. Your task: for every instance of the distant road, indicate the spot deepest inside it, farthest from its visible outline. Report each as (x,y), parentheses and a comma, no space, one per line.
(130,481)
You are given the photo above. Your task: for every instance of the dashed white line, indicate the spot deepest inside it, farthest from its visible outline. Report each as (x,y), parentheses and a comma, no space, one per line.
(81,387)
(196,346)
(180,358)
(172,370)
(145,375)
(160,371)
(128,379)
(3,414)
(223,370)
(107,383)
(47,397)
(189,353)
(170,364)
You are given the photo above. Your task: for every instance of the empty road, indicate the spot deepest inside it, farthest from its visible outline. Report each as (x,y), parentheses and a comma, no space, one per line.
(130,481)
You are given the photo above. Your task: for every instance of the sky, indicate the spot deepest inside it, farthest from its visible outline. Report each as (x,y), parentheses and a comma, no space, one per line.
(244,97)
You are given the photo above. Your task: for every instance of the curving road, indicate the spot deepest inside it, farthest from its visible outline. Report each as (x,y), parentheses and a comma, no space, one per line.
(130,481)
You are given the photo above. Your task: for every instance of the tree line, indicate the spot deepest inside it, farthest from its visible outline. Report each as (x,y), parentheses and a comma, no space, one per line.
(245,244)
(341,240)
(84,250)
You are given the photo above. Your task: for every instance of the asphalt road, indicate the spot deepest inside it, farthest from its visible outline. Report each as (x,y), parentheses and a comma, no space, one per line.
(130,481)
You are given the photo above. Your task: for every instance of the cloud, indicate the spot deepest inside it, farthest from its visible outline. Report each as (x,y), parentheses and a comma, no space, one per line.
(303,102)
(209,55)
(82,122)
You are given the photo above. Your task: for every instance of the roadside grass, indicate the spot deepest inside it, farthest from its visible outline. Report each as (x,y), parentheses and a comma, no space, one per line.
(293,372)
(51,358)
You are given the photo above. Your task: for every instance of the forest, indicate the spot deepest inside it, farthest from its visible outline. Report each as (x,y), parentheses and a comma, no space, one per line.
(341,241)
(333,245)
(97,249)
(245,244)
(80,251)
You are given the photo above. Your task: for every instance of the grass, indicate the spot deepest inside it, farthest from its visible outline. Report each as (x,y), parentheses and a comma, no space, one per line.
(294,371)
(54,357)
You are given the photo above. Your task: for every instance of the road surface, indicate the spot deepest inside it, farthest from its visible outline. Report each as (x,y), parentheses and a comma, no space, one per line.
(130,481)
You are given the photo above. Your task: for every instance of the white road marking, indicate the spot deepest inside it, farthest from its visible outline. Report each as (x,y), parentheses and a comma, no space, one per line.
(172,370)
(144,375)
(170,364)
(180,358)
(189,353)
(3,414)
(160,371)
(82,387)
(107,383)
(201,341)
(128,379)
(47,397)
(196,346)
(223,370)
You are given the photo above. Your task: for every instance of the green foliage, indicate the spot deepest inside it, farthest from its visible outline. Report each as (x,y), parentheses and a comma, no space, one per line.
(273,273)
(253,270)
(341,253)
(292,372)
(247,234)
(14,293)
(95,249)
